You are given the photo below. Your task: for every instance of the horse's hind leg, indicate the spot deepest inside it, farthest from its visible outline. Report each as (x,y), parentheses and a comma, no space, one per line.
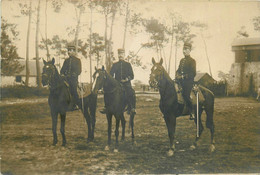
(210,125)
(54,117)
(123,126)
(131,122)
(62,129)
(201,128)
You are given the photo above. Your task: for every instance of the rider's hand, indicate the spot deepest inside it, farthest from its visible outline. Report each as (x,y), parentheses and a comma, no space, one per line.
(124,80)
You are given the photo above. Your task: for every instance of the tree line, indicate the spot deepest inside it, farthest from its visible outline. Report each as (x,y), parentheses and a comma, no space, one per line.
(164,36)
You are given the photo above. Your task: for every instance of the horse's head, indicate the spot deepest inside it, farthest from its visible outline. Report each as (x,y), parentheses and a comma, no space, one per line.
(48,71)
(99,78)
(157,72)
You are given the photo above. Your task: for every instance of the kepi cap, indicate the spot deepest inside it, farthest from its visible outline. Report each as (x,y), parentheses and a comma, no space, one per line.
(71,46)
(186,44)
(121,50)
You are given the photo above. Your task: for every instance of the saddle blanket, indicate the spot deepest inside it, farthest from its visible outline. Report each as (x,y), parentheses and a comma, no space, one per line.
(84,89)
(193,94)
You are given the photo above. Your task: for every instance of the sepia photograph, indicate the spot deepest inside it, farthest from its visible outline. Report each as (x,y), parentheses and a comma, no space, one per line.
(130,87)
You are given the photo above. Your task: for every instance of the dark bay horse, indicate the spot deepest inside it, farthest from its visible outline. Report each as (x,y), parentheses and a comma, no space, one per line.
(115,102)
(60,102)
(171,109)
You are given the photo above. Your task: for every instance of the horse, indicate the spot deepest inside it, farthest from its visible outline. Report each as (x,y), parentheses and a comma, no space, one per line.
(60,102)
(171,109)
(115,102)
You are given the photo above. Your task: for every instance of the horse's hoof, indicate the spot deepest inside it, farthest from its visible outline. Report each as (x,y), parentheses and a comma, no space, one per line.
(115,150)
(134,143)
(212,148)
(107,148)
(54,143)
(170,153)
(89,140)
(192,147)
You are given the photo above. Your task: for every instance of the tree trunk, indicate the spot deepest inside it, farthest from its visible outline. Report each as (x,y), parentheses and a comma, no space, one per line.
(176,49)
(77,30)
(39,81)
(106,44)
(170,58)
(27,46)
(126,21)
(110,39)
(46,44)
(90,46)
(206,50)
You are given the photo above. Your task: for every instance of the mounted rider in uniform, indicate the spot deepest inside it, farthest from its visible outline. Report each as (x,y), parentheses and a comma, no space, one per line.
(122,71)
(70,70)
(185,76)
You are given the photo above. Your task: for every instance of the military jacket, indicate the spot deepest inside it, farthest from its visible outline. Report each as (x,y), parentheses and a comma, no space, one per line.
(187,68)
(71,67)
(122,70)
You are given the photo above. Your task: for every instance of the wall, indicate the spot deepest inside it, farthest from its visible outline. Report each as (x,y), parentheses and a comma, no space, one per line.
(10,80)
(244,76)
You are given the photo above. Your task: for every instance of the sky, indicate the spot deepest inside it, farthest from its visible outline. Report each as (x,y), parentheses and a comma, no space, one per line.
(224,19)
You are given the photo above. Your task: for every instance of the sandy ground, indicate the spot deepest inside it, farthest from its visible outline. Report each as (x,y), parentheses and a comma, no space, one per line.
(26,141)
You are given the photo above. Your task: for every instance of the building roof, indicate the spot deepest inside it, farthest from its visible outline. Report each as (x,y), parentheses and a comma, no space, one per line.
(202,75)
(246,41)
(32,67)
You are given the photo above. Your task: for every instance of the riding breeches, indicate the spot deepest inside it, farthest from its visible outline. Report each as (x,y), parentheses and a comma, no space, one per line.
(187,85)
(130,96)
(73,83)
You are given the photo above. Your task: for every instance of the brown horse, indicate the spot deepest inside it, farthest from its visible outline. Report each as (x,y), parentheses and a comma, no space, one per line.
(171,109)
(115,102)
(60,102)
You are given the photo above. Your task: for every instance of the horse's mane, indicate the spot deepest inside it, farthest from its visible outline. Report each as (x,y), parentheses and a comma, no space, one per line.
(113,80)
(167,76)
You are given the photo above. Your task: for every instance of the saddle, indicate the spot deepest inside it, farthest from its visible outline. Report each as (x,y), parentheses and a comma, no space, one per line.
(193,94)
(84,90)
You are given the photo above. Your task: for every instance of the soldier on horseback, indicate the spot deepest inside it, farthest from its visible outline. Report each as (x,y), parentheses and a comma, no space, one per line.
(122,71)
(70,70)
(185,76)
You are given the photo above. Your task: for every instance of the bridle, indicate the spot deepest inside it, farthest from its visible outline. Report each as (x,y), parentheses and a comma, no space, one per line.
(48,74)
(156,75)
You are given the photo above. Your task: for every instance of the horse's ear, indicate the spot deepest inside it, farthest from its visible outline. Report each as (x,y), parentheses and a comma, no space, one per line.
(44,62)
(153,61)
(95,68)
(103,68)
(53,61)
(161,61)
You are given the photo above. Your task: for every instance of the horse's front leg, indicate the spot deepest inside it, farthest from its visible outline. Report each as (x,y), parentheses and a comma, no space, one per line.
(117,133)
(54,116)
(62,128)
(93,121)
(109,127)
(131,122)
(88,120)
(123,126)
(170,121)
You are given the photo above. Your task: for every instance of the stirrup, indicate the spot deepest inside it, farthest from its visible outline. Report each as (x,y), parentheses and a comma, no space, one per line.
(103,111)
(192,117)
